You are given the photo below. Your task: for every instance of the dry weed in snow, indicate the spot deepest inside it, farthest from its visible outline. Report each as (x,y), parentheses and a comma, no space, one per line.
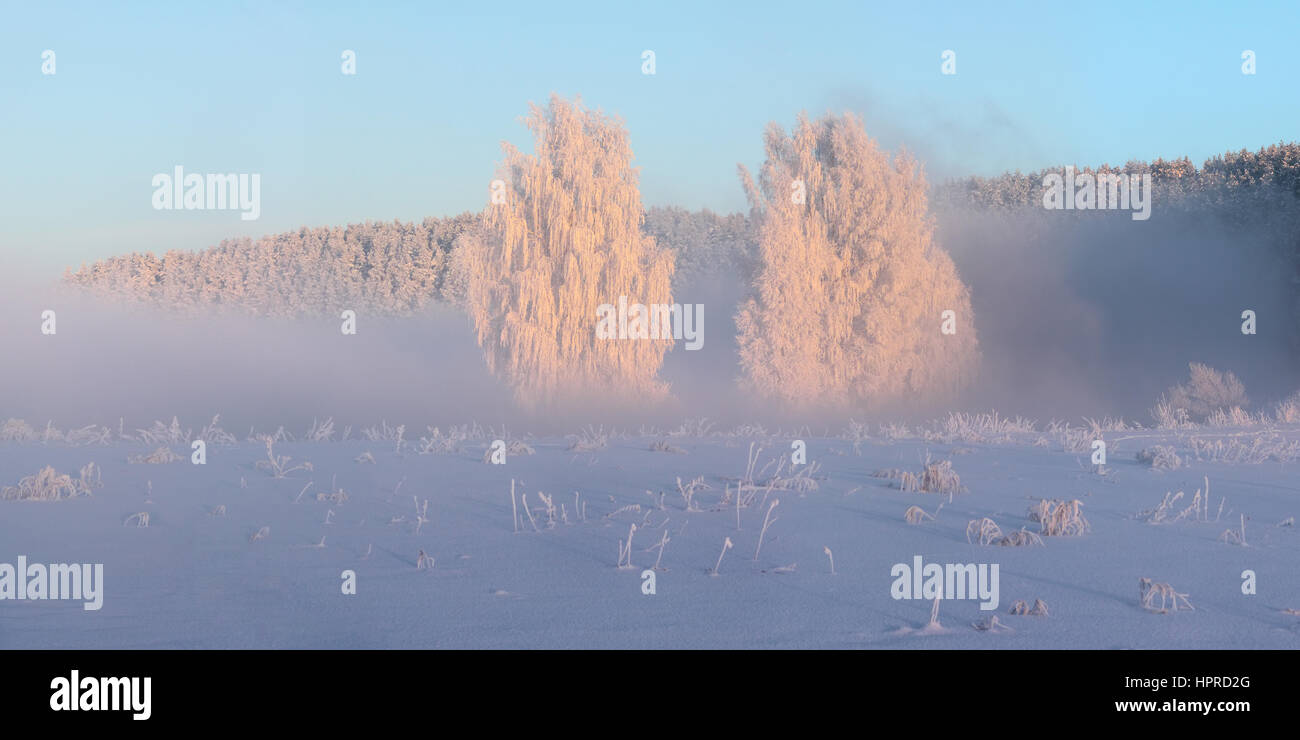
(1262,447)
(513,447)
(160,456)
(767,522)
(17,430)
(339,496)
(664,446)
(1039,609)
(1170,600)
(697,428)
(978,428)
(916,515)
(423,561)
(51,485)
(90,478)
(213,434)
(688,491)
(421,514)
(1235,536)
(163,434)
(625,550)
(1160,457)
(438,443)
(856,433)
(320,431)
(92,434)
(1167,416)
(992,625)
(278,466)
(659,547)
(590,439)
(1019,538)
(985,531)
(1057,518)
(1197,511)
(726,545)
(935,477)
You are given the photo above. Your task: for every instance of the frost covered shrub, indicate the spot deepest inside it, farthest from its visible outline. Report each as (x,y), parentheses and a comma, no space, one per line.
(1287,411)
(1168,417)
(16,430)
(1207,391)
(1160,457)
(51,485)
(935,477)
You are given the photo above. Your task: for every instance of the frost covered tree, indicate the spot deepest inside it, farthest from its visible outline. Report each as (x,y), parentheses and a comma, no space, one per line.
(565,239)
(848,306)
(386,268)
(1206,391)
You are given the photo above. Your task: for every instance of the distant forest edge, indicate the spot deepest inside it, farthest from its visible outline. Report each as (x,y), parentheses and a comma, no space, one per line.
(399,268)
(389,268)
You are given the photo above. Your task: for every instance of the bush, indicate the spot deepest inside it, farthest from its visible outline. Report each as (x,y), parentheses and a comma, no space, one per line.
(1206,392)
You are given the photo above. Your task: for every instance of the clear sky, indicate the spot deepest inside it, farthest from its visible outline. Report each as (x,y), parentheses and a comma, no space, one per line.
(257,87)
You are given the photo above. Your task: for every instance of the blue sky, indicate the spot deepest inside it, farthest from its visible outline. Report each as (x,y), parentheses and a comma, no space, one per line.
(257,87)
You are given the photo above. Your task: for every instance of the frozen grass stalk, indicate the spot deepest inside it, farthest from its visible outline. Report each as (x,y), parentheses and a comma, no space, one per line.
(663,542)
(513,509)
(726,545)
(767,522)
(140,519)
(523,499)
(625,551)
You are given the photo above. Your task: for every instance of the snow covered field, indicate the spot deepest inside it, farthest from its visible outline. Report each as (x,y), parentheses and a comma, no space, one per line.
(197,577)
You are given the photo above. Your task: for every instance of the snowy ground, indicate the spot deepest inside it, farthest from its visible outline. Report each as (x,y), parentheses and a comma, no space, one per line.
(195,580)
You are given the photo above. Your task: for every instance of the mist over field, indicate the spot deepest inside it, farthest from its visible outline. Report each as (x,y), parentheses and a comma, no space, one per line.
(1098,318)
(1078,316)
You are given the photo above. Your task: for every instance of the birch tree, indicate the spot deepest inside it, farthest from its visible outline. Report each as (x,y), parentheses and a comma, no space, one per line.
(564,239)
(848,306)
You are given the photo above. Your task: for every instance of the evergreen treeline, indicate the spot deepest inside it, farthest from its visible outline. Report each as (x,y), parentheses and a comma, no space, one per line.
(391,268)
(1220,182)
